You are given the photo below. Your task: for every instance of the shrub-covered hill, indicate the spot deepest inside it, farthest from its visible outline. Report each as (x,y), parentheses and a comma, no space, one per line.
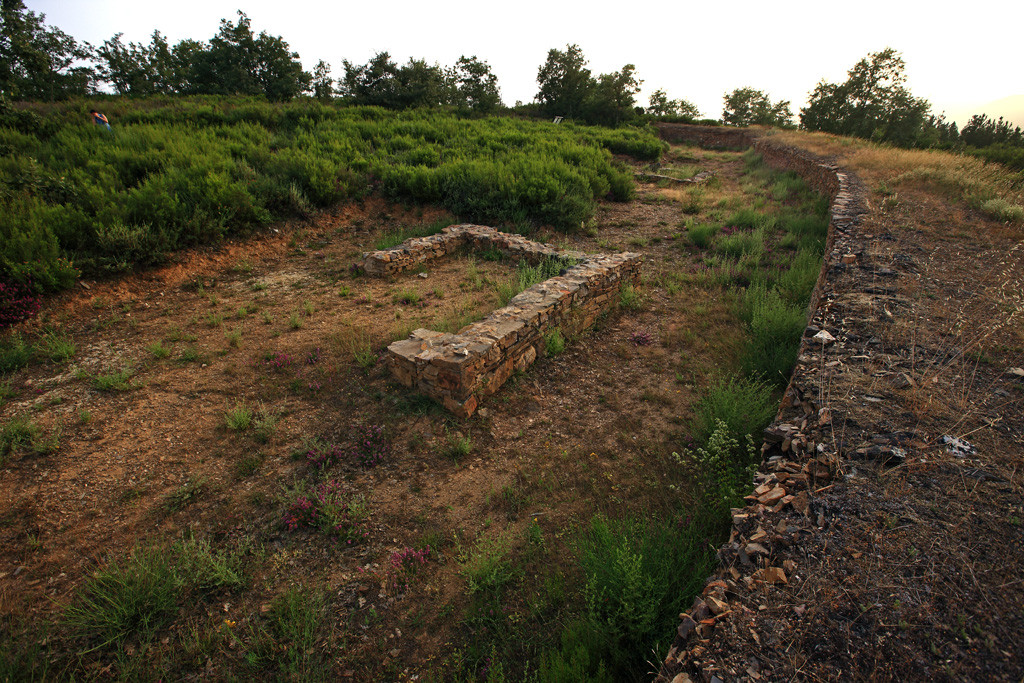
(175,172)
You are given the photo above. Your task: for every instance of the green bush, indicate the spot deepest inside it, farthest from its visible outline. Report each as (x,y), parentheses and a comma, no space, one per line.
(187,171)
(639,573)
(16,432)
(724,468)
(15,353)
(1002,210)
(134,596)
(701,234)
(554,342)
(774,328)
(744,406)
(796,284)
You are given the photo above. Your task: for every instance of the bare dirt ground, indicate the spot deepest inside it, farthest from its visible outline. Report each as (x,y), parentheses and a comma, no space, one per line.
(277,322)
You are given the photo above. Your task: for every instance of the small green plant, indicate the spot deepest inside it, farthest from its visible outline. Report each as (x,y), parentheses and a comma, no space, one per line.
(1002,210)
(248,465)
(258,286)
(359,344)
(701,234)
(489,568)
(56,347)
(7,390)
(234,336)
(639,573)
(16,432)
(242,266)
(745,406)
(526,276)
(176,335)
(158,350)
(554,342)
(393,239)
(407,297)
(329,507)
(307,308)
(118,380)
(773,334)
(189,354)
(630,298)
(186,494)
(294,321)
(457,445)
(15,353)
(726,468)
(238,418)
(135,596)
(264,424)
(214,319)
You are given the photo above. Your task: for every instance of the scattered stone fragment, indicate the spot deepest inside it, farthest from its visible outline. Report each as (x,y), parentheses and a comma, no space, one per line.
(824,338)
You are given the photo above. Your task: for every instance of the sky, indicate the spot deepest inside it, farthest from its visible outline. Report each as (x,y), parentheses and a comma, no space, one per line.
(963,58)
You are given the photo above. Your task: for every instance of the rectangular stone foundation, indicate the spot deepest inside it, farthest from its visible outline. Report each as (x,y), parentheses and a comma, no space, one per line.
(418,250)
(459,369)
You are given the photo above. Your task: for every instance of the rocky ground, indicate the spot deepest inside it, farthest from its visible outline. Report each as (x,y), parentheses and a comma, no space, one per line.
(884,539)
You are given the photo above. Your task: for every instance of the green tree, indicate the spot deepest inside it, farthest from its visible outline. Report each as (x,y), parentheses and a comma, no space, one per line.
(751,107)
(138,70)
(565,82)
(658,104)
(323,84)
(873,103)
(612,100)
(476,86)
(419,84)
(240,63)
(39,62)
(372,83)
(981,131)
(382,83)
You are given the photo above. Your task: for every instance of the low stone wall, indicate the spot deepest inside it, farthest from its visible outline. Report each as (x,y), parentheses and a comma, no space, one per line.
(459,369)
(418,250)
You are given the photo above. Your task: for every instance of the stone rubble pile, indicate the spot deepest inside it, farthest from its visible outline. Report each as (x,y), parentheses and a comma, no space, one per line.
(457,370)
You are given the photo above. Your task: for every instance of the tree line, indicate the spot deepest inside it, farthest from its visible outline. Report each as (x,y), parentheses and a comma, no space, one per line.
(41,62)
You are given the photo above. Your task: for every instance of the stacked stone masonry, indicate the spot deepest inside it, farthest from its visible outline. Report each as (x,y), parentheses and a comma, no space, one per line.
(457,370)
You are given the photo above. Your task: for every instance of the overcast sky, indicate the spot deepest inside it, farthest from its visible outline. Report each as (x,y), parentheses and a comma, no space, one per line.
(963,58)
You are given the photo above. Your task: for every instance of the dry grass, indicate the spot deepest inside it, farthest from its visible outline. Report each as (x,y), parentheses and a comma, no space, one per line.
(950,175)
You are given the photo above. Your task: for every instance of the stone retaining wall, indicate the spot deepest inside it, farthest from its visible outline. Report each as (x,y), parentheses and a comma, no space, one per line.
(799,451)
(459,369)
(711,137)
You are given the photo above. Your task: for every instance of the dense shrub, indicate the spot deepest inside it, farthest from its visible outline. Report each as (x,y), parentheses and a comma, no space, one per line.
(185,171)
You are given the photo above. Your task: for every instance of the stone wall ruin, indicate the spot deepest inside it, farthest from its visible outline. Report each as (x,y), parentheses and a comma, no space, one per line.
(457,370)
